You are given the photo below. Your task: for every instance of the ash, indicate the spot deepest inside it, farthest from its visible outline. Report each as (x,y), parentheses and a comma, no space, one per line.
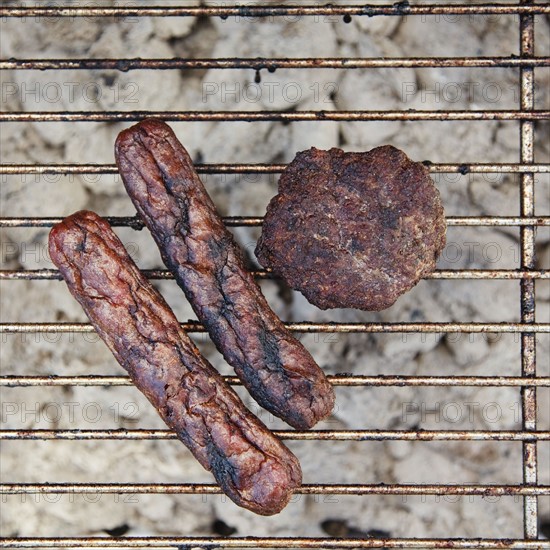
(434,300)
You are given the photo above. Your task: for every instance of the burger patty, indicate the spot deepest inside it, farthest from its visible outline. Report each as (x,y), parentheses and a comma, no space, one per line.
(353,230)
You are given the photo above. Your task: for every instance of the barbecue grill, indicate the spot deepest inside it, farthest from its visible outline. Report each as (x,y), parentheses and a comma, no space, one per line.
(526,274)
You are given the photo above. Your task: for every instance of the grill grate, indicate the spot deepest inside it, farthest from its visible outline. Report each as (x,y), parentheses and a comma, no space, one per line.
(527,222)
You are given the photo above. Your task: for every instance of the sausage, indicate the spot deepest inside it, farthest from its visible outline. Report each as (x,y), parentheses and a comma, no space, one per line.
(250,464)
(277,370)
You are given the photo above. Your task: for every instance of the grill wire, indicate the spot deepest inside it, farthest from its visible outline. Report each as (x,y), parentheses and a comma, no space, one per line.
(527,328)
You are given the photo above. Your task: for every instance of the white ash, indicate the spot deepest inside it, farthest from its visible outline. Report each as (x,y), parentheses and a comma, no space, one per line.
(392,408)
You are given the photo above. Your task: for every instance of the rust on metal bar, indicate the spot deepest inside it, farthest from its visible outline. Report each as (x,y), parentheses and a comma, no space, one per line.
(164,274)
(480,274)
(311,435)
(272,542)
(271,64)
(269,116)
(249,11)
(497,221)
(12,381)
(305,327)
(306,489)
(253,221)
(434,168)
(527,293)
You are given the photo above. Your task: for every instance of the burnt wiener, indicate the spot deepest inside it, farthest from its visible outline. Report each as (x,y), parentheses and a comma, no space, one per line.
(277,370)
(250,464)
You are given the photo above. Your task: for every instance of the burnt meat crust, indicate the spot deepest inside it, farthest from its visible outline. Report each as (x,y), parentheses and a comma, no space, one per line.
(353,230)
(277,370)
(250,464)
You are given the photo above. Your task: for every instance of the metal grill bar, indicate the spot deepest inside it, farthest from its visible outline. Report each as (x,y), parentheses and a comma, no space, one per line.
(269,116)
(269,542)
(398,8)
(528,343)
(434,168)
(249,221)
(271,64)
(12,381)
(527,297)
(312,435)
(306,489)
(164,274)
(304,327)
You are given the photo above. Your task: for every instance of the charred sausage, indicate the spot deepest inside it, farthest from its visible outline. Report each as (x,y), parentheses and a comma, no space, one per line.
(277,370)
(250,464)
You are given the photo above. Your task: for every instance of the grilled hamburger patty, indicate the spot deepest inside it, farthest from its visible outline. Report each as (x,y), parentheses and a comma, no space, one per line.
(353,230)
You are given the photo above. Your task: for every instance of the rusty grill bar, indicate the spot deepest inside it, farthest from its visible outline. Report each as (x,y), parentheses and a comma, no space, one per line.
(269,542)
(12,381)
(527,222)
(163,274)
(66,169)
(304,327)
(305,489)
(272,64)
(527,238)
(249,221)
(398,8)
(271,116)
(312,435)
